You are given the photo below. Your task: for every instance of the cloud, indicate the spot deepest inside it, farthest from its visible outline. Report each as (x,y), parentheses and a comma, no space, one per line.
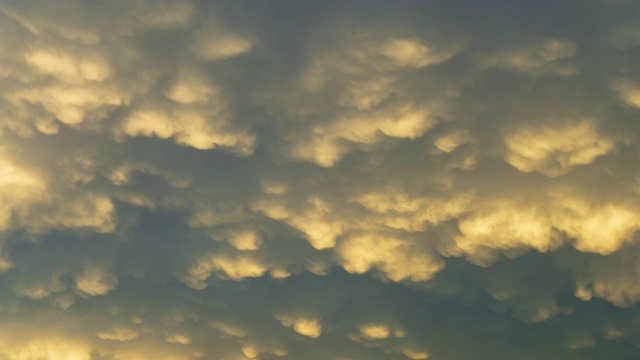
(235,268)
(375,331)
(193,180)
(119,334)
(95,281)
(306,326)
(18,189)
(628,91)
(360,79)
(217,44)
(555,149)
(415,354)
(394,257)
(544,57)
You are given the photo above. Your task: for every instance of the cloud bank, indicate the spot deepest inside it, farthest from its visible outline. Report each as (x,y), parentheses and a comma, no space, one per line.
(194,180)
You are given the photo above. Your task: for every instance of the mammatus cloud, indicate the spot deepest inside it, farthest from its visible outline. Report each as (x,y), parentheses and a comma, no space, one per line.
(350,96)
(555,149)
(190,180)
(547,56)
(394,257)
(628,91)
(310,327)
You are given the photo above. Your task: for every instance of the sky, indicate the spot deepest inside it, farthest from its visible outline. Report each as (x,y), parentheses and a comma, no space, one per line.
(319,180)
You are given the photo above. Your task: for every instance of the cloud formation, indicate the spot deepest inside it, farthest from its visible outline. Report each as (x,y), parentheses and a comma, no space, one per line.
(195,180)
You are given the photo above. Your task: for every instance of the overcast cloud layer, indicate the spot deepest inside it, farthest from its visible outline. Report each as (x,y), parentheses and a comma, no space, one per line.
(191,180)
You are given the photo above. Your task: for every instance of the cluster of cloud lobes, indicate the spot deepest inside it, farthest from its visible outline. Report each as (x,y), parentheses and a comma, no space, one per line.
(197,180)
